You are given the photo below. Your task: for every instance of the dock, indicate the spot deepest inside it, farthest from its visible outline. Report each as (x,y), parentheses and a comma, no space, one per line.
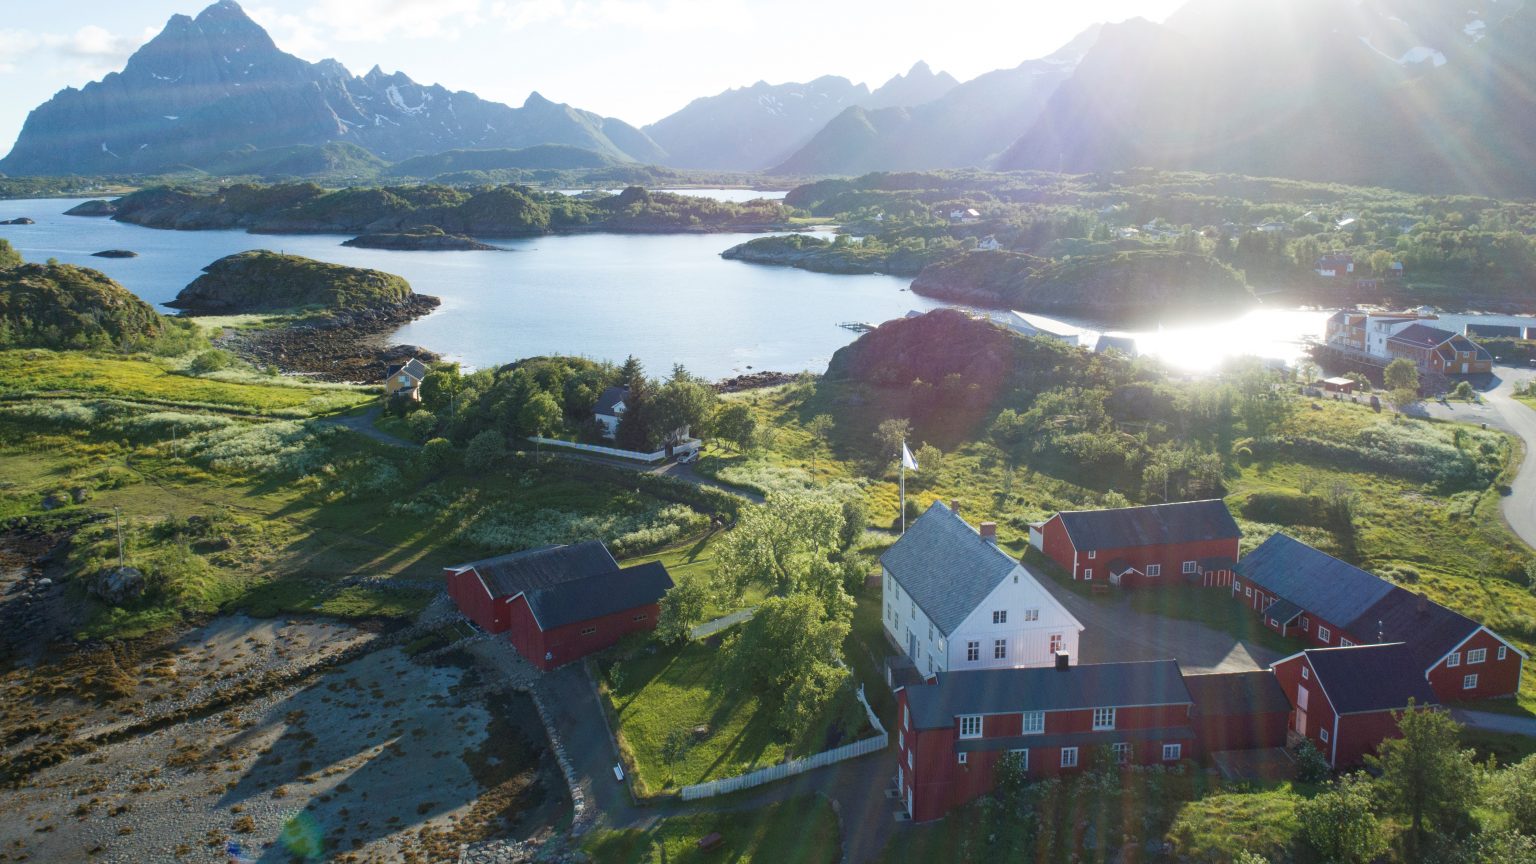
(857,326)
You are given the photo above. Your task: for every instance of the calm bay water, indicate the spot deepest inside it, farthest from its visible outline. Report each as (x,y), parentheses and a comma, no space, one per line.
(664,298)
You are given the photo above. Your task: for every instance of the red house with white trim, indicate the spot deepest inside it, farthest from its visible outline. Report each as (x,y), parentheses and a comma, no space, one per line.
(1306,593)
(1346,700)
(1238,710)
(951,734)
(559,603)
(1194,542)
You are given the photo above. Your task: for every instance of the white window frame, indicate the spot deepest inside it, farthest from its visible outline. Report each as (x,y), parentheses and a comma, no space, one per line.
(1305,674)
(1477,655)
(973,651)
(970,726)
(1121,751)
(999,616)
(960,757)
(901,739)
(910,760)
(1345,643)
(1324,635)
(1503,652)
(999,649)
(1173,752)
(1069,757)
(1057,643)
(1306,623)
(1248,592)
(1154,571)
(1087,574)
(1031,615)
(1453,659)
(1189,567)
(1469,682)
(1092,554)
(1322,732)
(1103,718)
(1032,723)
(1023,753)
(1236,584)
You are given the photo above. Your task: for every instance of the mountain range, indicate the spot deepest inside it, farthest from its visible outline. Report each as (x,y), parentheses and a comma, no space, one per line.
(1431,95)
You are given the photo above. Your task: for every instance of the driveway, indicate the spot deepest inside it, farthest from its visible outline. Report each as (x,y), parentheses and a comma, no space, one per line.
(363,425)
(675,470)
(1506,723)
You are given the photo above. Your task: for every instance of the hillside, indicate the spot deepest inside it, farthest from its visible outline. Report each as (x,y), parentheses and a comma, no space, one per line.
(217,84)
(334,159)
(59,306)
(841,256)
(544,156)
(261,281)
(1121,287)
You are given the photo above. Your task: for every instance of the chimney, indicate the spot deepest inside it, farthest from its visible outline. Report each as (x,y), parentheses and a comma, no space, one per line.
(1063,661)
(989,532)
(954,504)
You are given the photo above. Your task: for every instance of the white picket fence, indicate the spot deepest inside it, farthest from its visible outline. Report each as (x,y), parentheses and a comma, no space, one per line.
(725,785)
(686,446)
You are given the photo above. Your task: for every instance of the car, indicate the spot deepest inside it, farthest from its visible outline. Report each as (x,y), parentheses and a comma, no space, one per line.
(688,458)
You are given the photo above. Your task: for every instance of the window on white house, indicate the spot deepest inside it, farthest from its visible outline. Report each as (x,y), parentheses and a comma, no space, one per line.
(1477,655)
(1092,554)
(1000,616)
(1453,660)
(1503,652)
(1088,574)
(1469,682)
(1000,649)
(1122,752)
(930,631)
(970,726)
(588,631)
(1033,723)
(1323,734)
(1057,643)
(1154,570)
(1069,757)
(941,646)
(1173,752)
(1103,718)
(1189,567)
(972,652)
(1323,635)
(1031,614)
(913,611)
(960,757)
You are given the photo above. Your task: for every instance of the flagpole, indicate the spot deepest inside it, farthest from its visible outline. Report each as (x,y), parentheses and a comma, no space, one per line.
(903,485)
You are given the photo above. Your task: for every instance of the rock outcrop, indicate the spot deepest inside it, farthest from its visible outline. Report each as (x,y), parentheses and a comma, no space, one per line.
(428,239)
(262,281)
(97,208)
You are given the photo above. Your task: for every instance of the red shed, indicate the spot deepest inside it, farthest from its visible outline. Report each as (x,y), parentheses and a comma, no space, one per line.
(1238,710)
(1346,699)
(1194,542)
(559,603)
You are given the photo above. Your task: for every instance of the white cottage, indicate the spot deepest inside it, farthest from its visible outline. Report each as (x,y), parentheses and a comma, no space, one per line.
(952,600)
(609,409)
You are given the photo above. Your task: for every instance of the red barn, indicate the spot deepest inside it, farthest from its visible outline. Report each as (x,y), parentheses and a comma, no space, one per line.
(1192,541)
(559,603)
(1345,699)
(1238,710)
(1304,592)
(950,735)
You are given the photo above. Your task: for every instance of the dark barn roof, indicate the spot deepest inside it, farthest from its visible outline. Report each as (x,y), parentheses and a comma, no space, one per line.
(945,565)
(1241,693)
(1000,691)
(1364,678)
(600,594)
(1421,336)
(509,575)
(609,398)
(1153,525)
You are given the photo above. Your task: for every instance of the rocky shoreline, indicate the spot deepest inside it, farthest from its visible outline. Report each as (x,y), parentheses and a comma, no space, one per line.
(344,347)
(429,239)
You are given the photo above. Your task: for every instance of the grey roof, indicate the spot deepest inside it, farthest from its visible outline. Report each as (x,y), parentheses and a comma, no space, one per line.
(413,367)
(1489,331)
(1369,607)
(1282,612)
(946,567)
(1076,739)
(509,575)
(1371,677)
(1000,691)
(1421,335)
(1243,693)
(1217,562)
(1156,524)
(598,594)
(609,398)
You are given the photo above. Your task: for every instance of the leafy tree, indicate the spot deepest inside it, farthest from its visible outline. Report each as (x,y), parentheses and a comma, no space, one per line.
(540,415)
(889,436)
(682,609)
(421,423)
(683,401)
(1338,824)
(212,360)
(735,424)
(632,372)
(634,432)
(1012,775)
(436,456)
(1426,776)
(442,383)
(820,428)
(485,451)
(1311,764)
(1513,790)
(855,520)
(787,652)
(785,544)
(1402,382)
(1259,404)
(1011,434)
(9,257)
(1362,383)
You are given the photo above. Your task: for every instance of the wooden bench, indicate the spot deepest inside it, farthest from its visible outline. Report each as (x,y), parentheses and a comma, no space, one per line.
(711,841)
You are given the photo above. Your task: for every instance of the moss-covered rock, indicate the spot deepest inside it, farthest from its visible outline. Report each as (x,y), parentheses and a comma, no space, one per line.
(60,306)
(262,281)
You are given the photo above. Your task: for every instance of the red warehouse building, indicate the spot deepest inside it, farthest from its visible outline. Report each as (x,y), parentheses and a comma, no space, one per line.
(1238,710)
(1193,541)
(951,734)
(1346,699)
(559,603)
(1306,593)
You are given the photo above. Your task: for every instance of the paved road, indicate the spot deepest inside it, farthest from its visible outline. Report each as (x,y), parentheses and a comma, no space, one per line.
(363,425)
(675,470)
(1517,417)
(1496,722)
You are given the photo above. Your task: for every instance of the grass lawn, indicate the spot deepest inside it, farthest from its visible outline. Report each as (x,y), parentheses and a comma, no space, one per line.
(678,689)
(37,371)
(797,831)
(696,560)
(1217,827)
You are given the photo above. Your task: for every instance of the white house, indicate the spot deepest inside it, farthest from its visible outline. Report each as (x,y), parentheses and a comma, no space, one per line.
(608,410)
(988,244)
(952,600)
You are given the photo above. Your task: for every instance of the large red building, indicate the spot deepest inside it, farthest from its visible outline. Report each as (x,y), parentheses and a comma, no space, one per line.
(1238,710)
(1306,593)
(1190,542)
(951,734)
(559,603)
(1346,700)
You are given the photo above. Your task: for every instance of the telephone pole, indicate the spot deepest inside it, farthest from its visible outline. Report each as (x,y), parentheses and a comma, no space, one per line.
(121,560)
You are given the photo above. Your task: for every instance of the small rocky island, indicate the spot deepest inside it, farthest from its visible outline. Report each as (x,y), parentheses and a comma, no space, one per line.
(97,208)
(19,221)
(343,312)
(115,253)
(429,238)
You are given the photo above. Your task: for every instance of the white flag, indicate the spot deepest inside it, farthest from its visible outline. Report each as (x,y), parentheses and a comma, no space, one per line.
(907,460)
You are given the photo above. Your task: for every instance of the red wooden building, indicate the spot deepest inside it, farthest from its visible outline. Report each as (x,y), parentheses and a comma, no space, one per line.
(1306,593)
(1346,699)
(1190,542)
(559,603)
(1238,710)
(951,734)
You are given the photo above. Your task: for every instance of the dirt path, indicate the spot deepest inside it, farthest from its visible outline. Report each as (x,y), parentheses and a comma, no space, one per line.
(363,424)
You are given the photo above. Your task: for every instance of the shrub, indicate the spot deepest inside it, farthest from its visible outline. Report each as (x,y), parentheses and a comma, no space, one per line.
(1311,765)
(287,448)
(1286,508)
(422,424)
(485,451)
(212,360)
(1339,825)
(436,456)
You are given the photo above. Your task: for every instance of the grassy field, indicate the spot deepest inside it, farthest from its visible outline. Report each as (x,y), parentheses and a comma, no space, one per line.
(1217,827)
(797,831)
(678,691)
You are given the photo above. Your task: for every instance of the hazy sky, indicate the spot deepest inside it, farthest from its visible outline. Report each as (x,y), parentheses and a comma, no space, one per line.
(637,60)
